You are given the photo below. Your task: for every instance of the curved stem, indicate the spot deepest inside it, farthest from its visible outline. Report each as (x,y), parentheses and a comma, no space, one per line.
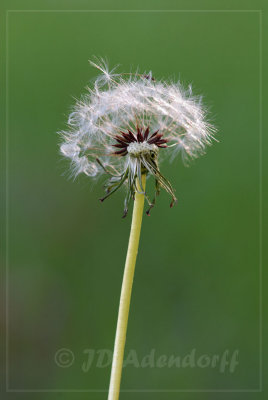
(121,329)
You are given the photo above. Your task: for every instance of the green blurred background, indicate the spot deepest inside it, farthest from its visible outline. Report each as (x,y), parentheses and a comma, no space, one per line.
(197,279)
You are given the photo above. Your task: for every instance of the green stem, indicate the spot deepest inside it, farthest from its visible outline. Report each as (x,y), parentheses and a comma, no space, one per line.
(121,329)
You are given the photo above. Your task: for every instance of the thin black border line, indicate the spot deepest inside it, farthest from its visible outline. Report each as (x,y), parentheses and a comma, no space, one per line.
(260,206)
(7,211)
(126,11)
(135,391)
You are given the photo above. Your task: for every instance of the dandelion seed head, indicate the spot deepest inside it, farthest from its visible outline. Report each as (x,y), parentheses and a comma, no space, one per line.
(135,149)
(134,114)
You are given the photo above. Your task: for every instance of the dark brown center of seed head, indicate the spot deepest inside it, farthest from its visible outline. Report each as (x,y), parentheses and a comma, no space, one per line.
(142,135)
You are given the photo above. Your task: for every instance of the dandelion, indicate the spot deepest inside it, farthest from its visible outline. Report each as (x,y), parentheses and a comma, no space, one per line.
(126,123)
(125,126)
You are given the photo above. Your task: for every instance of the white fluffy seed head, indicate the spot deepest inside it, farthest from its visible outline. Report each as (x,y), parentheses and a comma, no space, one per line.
(118,102)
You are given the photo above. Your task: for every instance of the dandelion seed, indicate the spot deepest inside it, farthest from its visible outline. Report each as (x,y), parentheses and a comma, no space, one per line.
(126,123)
